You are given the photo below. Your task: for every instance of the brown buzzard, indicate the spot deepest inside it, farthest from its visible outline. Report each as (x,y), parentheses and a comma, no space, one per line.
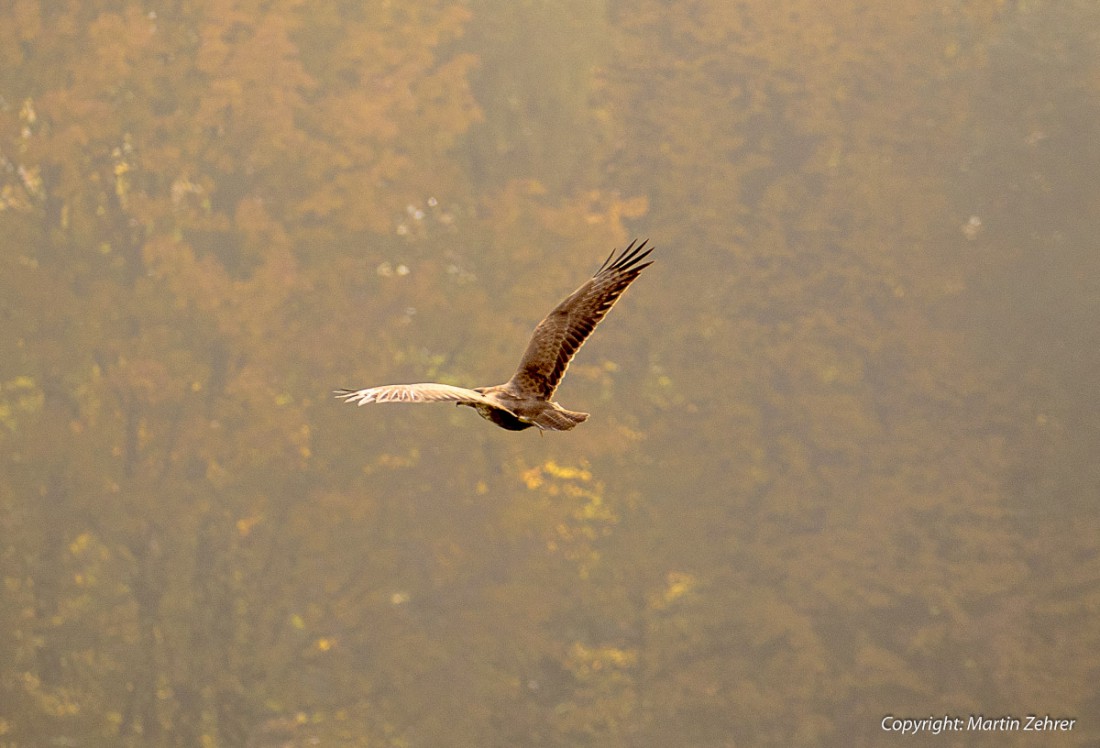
(524,400)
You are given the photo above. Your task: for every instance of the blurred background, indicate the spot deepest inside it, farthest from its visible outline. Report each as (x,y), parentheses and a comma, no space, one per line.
(842,456)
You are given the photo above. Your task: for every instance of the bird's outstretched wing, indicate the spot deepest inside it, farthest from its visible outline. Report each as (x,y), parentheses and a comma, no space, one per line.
(558,337)
(425,392)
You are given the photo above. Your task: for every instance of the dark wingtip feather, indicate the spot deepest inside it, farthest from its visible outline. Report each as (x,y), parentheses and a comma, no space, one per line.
(606,262)
(628,259)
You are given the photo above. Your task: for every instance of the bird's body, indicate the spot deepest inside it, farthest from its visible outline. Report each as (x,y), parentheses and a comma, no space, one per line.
(516,413)
(524,400)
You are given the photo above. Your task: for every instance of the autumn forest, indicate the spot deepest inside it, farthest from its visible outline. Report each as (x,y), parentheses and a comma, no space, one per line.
(841,463)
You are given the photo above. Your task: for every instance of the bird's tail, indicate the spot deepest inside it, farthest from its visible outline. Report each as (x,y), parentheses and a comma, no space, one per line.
(559,419)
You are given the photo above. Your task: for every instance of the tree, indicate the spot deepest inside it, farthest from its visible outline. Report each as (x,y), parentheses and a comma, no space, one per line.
(169,175)
(857,523)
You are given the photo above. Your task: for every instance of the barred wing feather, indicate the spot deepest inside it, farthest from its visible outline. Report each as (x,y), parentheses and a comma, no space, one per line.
(561,334)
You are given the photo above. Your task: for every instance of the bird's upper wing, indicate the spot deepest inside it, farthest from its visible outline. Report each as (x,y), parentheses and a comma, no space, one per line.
(558,337)
(425,392)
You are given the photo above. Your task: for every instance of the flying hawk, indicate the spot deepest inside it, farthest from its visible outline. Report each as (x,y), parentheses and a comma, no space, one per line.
(524,400)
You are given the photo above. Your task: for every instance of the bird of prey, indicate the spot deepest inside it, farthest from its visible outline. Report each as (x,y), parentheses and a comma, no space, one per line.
(524,400)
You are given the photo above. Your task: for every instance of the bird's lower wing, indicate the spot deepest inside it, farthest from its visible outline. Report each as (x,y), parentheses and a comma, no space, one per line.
(425,392)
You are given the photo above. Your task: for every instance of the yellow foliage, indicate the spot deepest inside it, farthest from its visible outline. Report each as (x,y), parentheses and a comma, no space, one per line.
(586,662)
(80,543)
(679,584)
(19,397)
(558,471)
(245,524)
